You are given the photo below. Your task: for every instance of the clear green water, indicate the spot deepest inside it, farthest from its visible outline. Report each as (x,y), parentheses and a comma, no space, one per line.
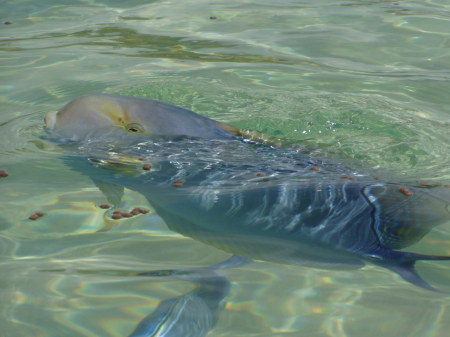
(366,79)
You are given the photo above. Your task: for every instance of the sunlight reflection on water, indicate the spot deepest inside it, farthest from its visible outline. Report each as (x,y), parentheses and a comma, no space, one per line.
(367,80)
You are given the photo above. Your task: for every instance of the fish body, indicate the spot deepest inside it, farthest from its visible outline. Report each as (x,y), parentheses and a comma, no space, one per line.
(267,204)
(254,200)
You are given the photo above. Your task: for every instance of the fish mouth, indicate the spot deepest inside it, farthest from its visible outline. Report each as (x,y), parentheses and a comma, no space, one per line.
(50,120)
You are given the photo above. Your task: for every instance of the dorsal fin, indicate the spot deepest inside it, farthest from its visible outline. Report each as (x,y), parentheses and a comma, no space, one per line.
(251,135)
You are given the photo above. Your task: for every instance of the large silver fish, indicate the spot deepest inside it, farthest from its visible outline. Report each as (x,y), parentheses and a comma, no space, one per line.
(251,200)
(267,204)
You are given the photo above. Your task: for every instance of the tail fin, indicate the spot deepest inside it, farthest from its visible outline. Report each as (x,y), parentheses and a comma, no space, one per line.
(403,264)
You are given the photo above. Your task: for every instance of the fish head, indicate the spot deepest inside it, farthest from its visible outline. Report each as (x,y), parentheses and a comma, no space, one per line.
(100,116)
(96,116)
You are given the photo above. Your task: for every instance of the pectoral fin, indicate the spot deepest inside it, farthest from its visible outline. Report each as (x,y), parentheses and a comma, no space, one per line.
(112,192)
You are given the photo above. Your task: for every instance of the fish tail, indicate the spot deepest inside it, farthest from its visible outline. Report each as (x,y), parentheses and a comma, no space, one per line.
(403,264)
(417,257)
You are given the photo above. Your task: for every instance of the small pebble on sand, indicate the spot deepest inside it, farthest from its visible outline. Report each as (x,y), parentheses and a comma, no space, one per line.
(406,192)
(36,215)
(178,183)
(143,210)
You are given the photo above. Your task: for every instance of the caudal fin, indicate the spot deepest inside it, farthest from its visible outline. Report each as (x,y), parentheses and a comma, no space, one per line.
(404,265)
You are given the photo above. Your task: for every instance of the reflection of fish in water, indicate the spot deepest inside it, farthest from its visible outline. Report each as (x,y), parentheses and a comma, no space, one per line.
(249,199)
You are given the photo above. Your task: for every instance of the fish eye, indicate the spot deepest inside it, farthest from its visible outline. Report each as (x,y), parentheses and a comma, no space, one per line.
(134,128)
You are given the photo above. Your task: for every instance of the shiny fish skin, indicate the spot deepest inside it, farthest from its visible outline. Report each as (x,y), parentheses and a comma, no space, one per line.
(290,215)
(208,181)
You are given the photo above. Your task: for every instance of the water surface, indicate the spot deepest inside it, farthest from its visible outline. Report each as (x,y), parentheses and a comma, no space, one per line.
(367,80)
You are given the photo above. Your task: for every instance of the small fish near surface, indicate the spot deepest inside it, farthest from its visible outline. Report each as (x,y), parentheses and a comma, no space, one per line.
(232,189)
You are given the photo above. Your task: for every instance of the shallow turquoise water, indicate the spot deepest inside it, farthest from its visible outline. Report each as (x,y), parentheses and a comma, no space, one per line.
(363,79)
